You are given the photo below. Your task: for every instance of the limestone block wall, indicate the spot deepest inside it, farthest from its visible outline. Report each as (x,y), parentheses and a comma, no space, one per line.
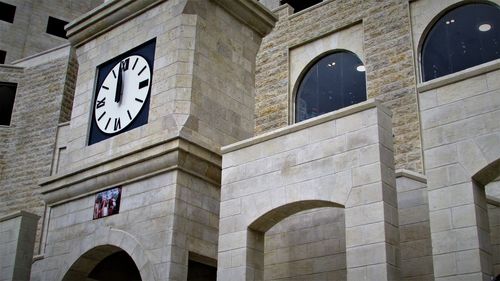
(29,141)
(17,242)
(390,73)
(27,35)
(143,228)
(461,134)
(341,159)
(309,245)
(414,227)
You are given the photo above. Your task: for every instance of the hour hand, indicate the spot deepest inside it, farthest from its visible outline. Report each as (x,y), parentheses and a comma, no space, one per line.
(118,93)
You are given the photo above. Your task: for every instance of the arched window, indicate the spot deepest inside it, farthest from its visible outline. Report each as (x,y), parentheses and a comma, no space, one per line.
(463,37)
(335,81)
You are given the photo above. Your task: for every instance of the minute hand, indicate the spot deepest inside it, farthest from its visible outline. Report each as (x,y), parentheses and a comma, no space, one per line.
(118,93)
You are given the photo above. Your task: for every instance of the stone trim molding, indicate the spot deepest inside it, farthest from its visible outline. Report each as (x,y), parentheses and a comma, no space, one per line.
(112,13)
(174,154)
(411,175)
(252,13)
(16,214)
(45,56)
(370,103)
(459,76)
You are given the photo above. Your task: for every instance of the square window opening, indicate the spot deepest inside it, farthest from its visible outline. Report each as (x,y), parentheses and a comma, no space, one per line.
(3,54)
(7,12)
(56,27)
(7,96)
(299,5)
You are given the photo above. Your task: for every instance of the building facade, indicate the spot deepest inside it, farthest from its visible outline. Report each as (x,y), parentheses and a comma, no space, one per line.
(238,140)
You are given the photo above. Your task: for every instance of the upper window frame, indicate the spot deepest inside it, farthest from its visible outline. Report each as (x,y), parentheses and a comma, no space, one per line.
(443,80)
(305,71)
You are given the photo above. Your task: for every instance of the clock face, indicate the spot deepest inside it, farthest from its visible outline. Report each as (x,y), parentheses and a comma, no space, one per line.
(122,94)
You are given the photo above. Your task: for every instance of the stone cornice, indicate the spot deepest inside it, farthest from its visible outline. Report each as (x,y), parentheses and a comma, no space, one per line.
(252,13)
(174,154)
(19,214)
(104,17)
(114,12)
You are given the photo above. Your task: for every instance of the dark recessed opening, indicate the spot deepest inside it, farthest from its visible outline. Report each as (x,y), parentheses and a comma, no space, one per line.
(3,54)
(299,5)
(56,27)
(7,12)
(201,272)
(7,95)
(116,267)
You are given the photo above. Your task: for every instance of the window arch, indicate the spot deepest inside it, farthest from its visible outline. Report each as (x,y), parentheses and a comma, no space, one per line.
(463,37)
(335,81)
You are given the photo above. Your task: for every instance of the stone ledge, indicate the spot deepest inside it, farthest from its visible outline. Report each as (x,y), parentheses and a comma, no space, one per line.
(459,76)
(411,175)
(173,154)
(45,56)
(20,213)
(371,103)
(113,13)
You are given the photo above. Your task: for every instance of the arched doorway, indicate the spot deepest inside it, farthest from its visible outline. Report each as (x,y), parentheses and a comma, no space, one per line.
(106,263)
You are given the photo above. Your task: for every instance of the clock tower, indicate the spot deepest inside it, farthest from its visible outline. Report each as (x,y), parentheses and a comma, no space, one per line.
(161,86)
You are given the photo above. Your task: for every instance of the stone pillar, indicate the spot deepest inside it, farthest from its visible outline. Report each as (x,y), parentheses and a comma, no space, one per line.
(17,242)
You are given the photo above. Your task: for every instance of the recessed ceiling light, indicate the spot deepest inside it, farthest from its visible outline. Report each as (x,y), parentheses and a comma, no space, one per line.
(331,64)
(361,68)
(484,27)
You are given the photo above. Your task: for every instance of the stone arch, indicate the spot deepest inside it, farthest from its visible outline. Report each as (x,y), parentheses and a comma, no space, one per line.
(257,229)
(100,244)
(270,218)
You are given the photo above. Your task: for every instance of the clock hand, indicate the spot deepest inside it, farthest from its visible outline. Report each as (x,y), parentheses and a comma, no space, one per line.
(118,93)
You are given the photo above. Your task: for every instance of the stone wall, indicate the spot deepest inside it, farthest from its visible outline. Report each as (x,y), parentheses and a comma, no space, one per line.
(388,59)
(461,133)
(29,141)
(342,159)
(414,227)
(17,240)
(27,34)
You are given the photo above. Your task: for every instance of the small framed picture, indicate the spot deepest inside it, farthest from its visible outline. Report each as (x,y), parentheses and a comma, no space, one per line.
(107,202)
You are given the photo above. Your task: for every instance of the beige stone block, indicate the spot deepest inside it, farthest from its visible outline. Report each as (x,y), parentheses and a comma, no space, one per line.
(364,214)
(366,255)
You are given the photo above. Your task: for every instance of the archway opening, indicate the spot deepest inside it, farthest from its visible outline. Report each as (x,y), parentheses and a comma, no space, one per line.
(303,240)
(489,179)
(104,263)
(116,267)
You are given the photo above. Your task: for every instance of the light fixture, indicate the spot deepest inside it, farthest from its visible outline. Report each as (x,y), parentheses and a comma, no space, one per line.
(331,64)
(361,68)
(484,27)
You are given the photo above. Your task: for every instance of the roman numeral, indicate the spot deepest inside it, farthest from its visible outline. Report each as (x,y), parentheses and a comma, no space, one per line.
(129,116)
(117,124)
(140,72)
(101,103)
(135,63)
(102,115)
(104,87)
(124,64)
(144,84)
(139,100)
(107,124)
(114,74)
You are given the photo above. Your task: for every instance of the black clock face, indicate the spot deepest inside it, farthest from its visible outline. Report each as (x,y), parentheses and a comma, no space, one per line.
(122,93)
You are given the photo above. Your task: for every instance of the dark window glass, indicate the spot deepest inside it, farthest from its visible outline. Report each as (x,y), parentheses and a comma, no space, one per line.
(299,5)
(3,54)
(464,37)
(7,12)
(335,81)
(7,95)
(56,27)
